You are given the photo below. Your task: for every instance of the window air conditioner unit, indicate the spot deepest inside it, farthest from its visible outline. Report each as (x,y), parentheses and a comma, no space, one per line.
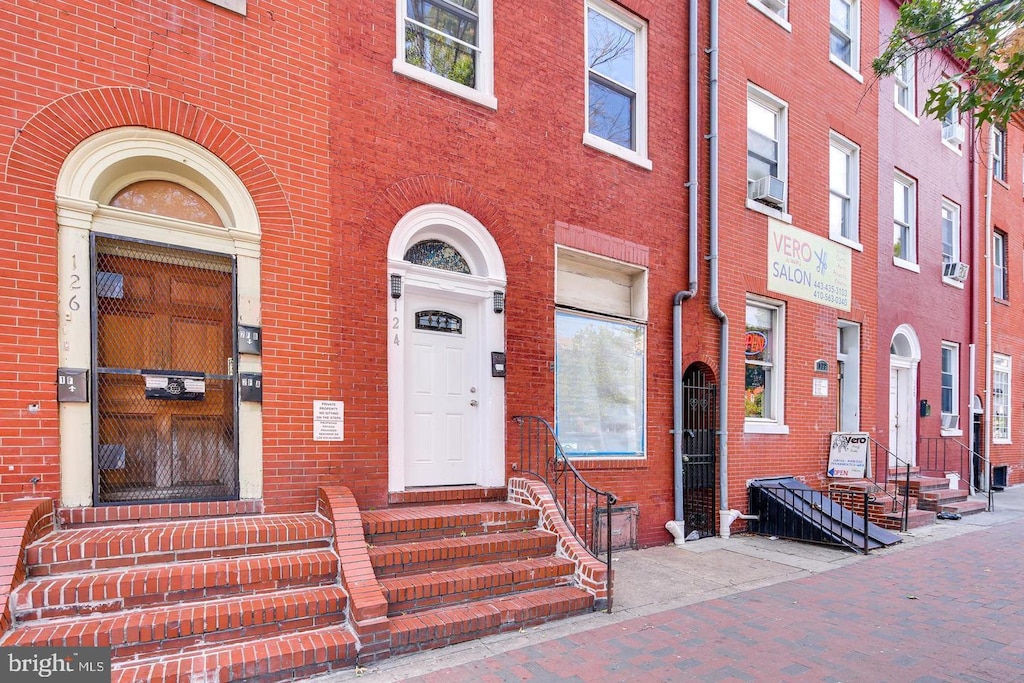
(769,190)
(950,421)
(953,133)
(954,270)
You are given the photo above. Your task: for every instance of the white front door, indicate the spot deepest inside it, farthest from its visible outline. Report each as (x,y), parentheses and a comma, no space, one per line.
(443,391)
(902,424)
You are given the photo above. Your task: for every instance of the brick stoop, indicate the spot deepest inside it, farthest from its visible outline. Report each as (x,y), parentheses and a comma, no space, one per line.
(230,598)
(457,571)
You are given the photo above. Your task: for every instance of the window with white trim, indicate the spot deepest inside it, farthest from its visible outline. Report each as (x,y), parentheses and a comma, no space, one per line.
(600,355)
(905,95)
(449,45)
(844,33)
(763,362)
(616,47)
(1001,366)
(843,186)
(1000,277)
(904,212)
(950,383)
(950,232)
(766,147)
(952,128)
(778,8)
(999,153)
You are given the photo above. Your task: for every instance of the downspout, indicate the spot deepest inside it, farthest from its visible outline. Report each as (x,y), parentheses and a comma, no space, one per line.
(723,349)
(972,198)
(989,408)
(675,525)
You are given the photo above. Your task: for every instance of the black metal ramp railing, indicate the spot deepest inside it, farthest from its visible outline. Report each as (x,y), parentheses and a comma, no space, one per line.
(586,510)
(887,467)
(940,455)
(787,508)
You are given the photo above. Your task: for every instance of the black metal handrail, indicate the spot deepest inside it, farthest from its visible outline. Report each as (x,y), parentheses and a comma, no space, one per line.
(542,456)
(883,464)
(940,455)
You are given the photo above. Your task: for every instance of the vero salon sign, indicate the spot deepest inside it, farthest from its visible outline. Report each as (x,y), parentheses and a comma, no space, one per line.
(809,267)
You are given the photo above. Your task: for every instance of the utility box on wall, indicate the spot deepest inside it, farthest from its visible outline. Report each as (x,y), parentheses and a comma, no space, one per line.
(624,523)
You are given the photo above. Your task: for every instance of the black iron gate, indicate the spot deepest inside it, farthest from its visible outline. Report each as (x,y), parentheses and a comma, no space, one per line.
(165,353)
(700,429)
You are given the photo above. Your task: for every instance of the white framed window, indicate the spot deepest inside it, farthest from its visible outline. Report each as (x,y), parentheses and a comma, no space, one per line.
(616,48)
(844,190)
(1000,276)
(952,129)
(448,44)
(950,387)
(844,34)
(906,90)
(777,10)
(764,366)
(600,356)
(766,149)
(999,153)
(1001,366)
(904,215)
(950,219)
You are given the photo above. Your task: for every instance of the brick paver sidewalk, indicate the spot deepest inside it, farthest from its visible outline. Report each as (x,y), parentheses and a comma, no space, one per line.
(947,611)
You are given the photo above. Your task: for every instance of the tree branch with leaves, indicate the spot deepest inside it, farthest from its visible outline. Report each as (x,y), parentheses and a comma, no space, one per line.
(984,37)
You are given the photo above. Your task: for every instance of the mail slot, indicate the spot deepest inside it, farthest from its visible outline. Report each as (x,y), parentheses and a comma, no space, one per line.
(176,386)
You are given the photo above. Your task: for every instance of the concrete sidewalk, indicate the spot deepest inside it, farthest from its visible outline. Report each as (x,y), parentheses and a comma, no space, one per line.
(663,578)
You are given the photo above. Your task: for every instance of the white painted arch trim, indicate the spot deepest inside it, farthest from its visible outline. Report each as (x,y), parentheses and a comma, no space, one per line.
(91,175)
(487,275)
(905,336)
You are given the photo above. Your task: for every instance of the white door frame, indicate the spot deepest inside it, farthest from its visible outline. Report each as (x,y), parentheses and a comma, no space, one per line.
(487,276)
(904,357)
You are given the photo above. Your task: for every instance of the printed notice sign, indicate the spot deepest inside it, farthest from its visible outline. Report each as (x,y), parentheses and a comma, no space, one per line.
(806,266)
(848,455)
(328,420)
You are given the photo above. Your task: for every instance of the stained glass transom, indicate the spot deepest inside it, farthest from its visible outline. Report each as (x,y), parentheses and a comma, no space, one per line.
(437,254)
(438,321)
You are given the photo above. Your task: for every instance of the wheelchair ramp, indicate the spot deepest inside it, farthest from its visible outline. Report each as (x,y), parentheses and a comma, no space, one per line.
(788,508)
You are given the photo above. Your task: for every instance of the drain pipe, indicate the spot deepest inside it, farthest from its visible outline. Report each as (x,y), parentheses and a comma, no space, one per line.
(675,525)
(726,518)
(989,408)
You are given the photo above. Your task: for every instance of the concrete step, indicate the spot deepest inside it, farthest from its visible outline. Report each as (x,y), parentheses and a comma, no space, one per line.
(438,521)
(119,589)
(418,592)
(920,484)
(450,553)
(459,623)
(169,629)
(264,660)
(105,547)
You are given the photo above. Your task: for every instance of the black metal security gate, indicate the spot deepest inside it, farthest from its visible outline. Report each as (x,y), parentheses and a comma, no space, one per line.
(700,429)
(164,360)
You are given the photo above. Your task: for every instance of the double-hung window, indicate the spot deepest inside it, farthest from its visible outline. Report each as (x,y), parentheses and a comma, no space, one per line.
(616,45)
(1001,366)
(766,148)
(844,30)
(904,220)
(905,96)
(1000,278)
(950,219)
(999,153)
(764,368)
(600,355)
(448,44)
(843,185)
(950,381)
(952,129)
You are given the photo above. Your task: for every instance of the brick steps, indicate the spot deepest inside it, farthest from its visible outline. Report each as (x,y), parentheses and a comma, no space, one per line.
(964,508)
(113,590)
(450,625)
(915,519)
(450,553)
(446,495)
(934,500)
(171,629)
(286,657)
(97,548)
(410,593)
(437,521)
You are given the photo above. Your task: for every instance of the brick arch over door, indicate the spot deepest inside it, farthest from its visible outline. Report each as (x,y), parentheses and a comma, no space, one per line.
(45,141)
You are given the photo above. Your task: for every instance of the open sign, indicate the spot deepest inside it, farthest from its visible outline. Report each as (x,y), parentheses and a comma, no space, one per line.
(756,341)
